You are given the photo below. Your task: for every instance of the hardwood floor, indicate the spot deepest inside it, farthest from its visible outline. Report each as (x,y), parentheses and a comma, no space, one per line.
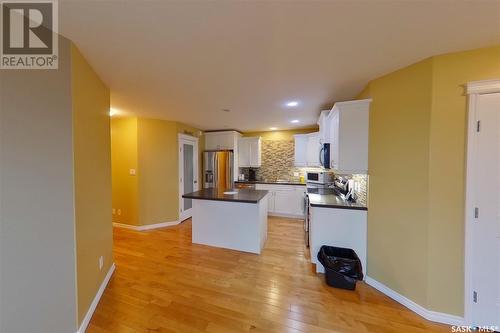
(163,283)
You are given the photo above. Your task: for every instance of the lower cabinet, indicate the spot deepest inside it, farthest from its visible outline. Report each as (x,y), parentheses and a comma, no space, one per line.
(285,200)
(337,227)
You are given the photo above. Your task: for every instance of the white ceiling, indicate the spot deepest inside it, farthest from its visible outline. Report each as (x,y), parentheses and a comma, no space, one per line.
(188,60)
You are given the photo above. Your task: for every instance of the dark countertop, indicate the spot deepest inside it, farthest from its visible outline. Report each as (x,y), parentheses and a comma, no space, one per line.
(329,198)
(242,195)
(269,182)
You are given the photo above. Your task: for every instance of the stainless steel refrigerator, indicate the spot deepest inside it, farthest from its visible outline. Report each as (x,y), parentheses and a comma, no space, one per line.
(218,169)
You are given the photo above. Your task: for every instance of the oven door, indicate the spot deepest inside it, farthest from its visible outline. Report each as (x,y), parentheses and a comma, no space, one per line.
(314,177)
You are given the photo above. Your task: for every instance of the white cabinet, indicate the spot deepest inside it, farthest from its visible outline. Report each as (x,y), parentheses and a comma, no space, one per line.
(307,149)
(285,200)
(249,152)
(324,127)
(313,150)
(338,227)
(348,132)
(300,150)
(255,152)
(224,140)
(221,140)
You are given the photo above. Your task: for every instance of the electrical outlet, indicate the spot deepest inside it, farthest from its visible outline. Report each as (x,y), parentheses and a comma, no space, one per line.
(114,211)
(295,174)
(132,172)
(101,262)
(119,211)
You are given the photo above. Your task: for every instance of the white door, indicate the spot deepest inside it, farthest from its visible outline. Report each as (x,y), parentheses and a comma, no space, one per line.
(484,254)
(188,173)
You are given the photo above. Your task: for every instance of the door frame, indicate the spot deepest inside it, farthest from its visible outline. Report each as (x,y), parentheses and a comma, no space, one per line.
(183,138)
(473,91)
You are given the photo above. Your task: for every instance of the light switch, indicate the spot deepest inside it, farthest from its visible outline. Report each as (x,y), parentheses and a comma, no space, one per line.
(132,172)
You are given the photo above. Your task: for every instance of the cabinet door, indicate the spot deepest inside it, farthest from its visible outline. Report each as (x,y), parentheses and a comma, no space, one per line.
(313,149)
(271,202)
(254,145)
(298,200)
(225,141)
(283,200)
(324,128)
(334,138)
(210,142)
(300,150)
(243,152)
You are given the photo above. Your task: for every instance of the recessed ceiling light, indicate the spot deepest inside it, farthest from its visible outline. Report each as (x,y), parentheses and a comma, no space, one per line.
(273,128)
(292,104)
(112,112)
(295,121)
(226,110)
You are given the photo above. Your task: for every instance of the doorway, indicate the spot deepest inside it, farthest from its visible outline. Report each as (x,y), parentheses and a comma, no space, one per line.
(188,173)
(482,230)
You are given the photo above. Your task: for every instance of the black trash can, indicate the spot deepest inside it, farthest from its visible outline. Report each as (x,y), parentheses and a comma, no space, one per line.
(342,266)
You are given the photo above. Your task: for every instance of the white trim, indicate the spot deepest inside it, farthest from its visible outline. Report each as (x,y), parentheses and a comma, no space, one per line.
(291,216)
(95,302)
(437,317)
(188,137)
(356,101)
(482,87)
(473,90)
(147,226)
(184,138)
(469,203)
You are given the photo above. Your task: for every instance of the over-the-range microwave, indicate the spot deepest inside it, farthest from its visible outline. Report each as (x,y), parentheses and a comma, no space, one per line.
(320,177)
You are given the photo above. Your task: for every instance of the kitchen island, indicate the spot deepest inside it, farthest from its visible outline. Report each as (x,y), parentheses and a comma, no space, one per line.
(230,218)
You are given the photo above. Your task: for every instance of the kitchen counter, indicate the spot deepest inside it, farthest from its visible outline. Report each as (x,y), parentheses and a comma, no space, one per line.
(270,182)
(329,198)
(241,195)
(233,221)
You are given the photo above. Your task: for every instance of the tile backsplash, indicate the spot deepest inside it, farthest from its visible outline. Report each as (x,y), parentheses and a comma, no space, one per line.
(278,163)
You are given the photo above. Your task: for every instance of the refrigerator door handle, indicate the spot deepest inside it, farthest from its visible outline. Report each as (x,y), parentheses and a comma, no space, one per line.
(216,171)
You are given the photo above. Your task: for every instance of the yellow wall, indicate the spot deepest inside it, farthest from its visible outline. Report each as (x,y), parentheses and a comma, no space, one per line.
(281,135)
(151,146)
(398,168)
(417,172)
(92,179)
(123,158)
(447,171)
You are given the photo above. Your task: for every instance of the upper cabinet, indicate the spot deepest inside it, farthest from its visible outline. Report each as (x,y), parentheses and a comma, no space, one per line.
(324,127)
(300,150)
(224,140)
(345,128)
(313,149)
(307,149)
(348,136)
(249,151)
(221,140)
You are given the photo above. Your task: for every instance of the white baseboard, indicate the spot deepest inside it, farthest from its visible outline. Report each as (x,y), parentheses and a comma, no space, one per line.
(147,226)
(93,305)
(437,317)
(291,216)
